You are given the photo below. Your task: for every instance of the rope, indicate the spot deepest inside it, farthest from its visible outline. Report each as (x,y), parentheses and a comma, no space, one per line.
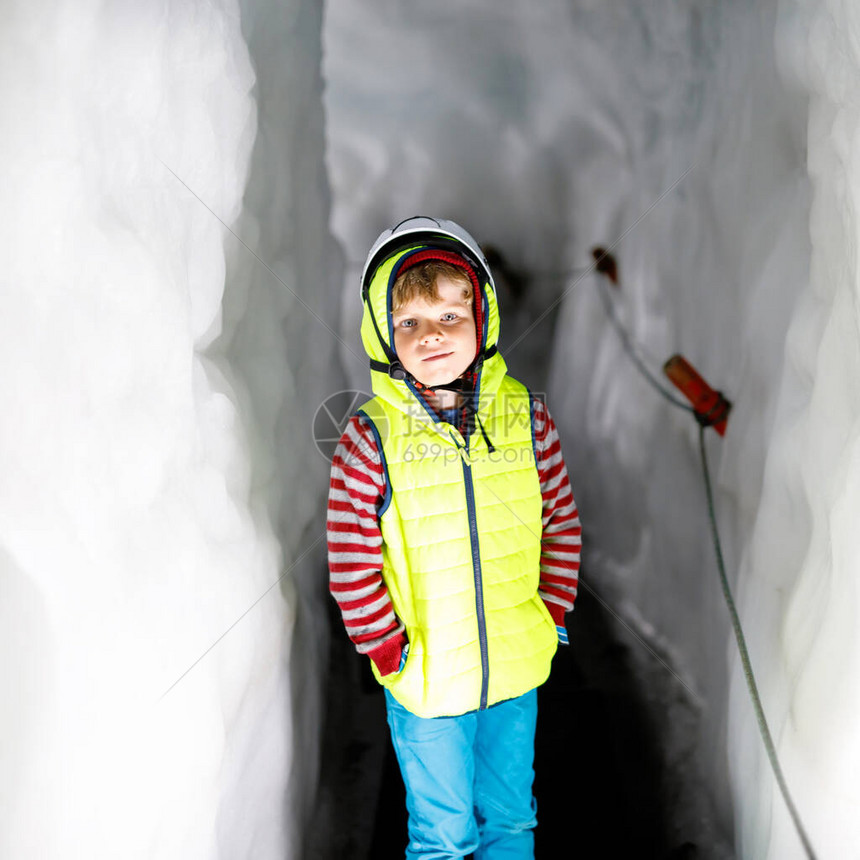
(627,343)
(749,675)
(766,737)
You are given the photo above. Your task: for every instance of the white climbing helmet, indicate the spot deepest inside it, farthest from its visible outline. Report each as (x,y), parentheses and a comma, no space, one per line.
(436,233)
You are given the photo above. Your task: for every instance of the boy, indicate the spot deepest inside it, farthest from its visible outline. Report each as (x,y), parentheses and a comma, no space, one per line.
(453,542)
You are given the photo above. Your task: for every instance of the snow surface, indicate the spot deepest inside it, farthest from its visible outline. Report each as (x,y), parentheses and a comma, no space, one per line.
(169,276)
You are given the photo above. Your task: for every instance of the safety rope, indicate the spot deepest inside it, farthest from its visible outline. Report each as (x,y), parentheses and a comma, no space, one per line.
(749,675)
(745,658)
(627,343)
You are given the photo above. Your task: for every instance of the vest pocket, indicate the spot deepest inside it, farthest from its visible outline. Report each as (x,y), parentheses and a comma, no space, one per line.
(550,624)
(412,656)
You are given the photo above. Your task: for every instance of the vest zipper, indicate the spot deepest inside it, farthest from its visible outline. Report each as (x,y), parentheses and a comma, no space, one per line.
(479,586)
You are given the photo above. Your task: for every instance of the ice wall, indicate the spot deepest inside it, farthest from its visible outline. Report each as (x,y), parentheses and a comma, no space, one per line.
(720,270)
(280,312)
(800,567)
(711,199)
(147,482)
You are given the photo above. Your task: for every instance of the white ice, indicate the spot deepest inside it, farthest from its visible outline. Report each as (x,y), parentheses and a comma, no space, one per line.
(157,469)
(167,298)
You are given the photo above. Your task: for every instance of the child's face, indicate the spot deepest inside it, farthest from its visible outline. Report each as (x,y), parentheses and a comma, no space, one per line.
(436,341)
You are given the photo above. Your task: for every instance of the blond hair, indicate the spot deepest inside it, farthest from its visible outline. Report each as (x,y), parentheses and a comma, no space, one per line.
(419,282)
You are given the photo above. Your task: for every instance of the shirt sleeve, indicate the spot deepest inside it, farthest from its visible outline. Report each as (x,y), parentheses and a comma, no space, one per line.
(561,542)
(356,491)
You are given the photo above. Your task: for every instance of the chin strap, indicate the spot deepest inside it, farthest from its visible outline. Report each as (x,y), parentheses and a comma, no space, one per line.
(397,371)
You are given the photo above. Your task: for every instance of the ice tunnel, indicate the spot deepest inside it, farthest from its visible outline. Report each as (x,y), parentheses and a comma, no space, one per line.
(190,187)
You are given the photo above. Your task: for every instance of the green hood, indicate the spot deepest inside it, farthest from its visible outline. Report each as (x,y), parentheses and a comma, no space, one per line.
(376,335)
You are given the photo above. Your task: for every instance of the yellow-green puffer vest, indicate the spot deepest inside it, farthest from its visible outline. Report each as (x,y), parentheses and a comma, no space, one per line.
(461,528)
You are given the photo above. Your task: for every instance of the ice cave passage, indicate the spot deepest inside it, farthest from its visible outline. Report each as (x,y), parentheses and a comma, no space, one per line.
(190,188)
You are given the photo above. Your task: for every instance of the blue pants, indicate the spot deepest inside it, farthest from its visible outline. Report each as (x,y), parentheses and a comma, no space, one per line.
(468,780)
